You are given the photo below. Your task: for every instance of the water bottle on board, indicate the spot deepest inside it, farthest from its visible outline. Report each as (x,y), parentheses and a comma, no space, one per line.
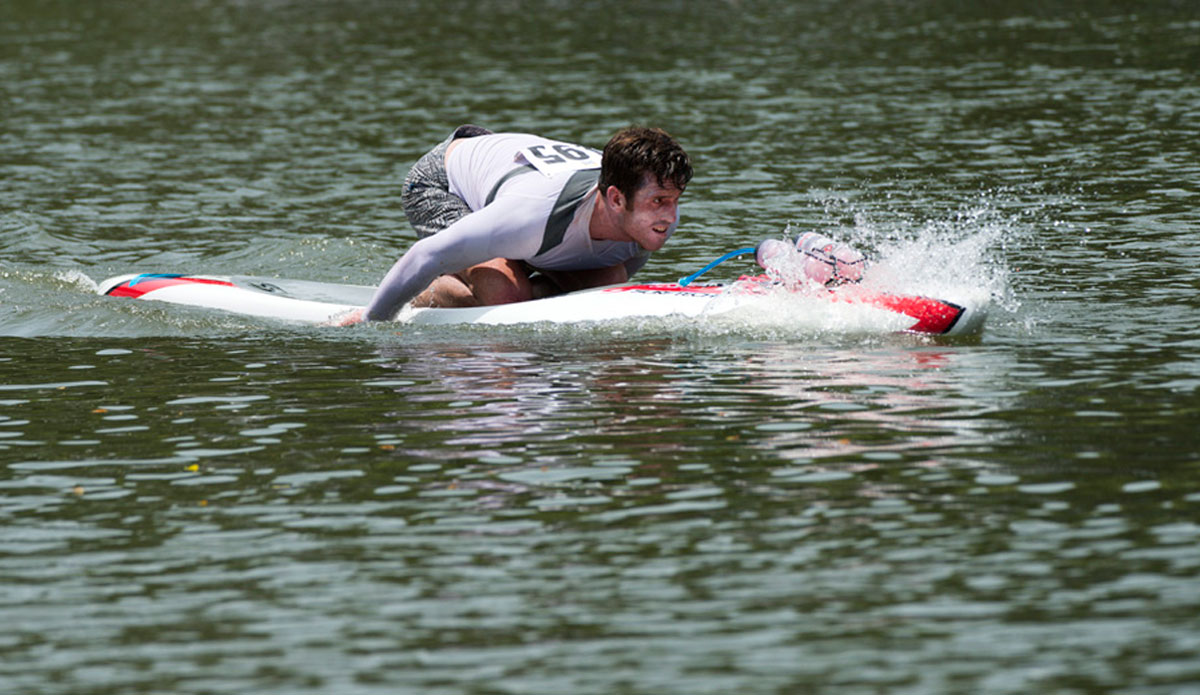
(771,254)
(829,262)
(812,258)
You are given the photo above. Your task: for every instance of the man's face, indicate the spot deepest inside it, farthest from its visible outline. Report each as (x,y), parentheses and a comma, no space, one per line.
(652,214)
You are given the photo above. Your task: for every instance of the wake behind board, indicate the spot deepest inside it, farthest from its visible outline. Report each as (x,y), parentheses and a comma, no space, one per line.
(314,302)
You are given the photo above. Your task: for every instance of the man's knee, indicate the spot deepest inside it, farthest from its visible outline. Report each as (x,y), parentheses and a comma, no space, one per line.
(499,281)
(446,291)
(502,294)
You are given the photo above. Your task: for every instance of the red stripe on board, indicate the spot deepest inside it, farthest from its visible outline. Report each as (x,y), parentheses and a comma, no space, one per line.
(137,288)
(670,287)
(931,315)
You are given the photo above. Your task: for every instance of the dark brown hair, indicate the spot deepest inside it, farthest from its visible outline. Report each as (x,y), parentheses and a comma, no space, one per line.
(634,152)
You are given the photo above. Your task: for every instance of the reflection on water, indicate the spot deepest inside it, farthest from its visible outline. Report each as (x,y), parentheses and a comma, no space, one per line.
(645,396)
(428,511)
(431,512)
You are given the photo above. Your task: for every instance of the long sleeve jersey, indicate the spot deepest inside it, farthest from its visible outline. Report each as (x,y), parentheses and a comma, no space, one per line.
(519,211)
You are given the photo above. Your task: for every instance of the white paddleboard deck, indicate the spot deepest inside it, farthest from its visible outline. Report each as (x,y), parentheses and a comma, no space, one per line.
(314,302)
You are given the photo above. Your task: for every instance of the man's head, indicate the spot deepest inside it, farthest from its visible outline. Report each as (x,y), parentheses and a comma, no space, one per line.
(635,155)
(642,175)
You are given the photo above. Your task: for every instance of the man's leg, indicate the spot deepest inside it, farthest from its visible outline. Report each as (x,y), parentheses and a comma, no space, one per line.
(504,281)
(425,196)
(498,281)
(446,291)
(572,280)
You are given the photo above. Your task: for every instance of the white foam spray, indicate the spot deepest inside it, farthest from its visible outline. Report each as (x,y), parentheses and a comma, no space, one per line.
(959,255)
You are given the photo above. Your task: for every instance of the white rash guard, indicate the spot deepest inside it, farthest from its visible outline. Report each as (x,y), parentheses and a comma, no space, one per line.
(518,212)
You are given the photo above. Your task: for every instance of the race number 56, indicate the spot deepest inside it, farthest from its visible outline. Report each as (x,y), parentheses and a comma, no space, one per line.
(554,158)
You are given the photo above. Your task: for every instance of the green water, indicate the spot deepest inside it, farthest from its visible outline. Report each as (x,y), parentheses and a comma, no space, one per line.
(193,502)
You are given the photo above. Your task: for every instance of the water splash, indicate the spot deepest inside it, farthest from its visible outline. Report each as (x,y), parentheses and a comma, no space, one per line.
(965,250)
(76,279)
(960,256)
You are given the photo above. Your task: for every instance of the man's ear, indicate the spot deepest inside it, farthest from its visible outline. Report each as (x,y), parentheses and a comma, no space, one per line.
(614,197)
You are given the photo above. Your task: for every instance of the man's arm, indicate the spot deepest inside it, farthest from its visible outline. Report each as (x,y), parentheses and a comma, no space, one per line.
(493,232)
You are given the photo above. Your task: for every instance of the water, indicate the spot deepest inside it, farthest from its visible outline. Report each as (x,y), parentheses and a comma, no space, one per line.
(202,503)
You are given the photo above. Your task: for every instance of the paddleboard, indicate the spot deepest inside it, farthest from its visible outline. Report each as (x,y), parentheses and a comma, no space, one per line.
(315,302)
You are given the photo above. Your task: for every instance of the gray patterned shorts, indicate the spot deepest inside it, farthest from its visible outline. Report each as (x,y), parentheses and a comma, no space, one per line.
(428,203)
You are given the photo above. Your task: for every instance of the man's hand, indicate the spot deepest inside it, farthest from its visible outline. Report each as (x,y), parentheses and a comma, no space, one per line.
(349,318)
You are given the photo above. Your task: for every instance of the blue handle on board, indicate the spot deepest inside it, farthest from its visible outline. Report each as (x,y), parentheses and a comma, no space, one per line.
(684,282)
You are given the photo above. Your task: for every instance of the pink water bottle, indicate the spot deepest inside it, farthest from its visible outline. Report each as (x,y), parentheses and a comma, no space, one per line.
(771,254)
(829,262)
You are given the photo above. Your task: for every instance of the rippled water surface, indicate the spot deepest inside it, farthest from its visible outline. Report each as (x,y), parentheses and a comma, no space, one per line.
(193,502)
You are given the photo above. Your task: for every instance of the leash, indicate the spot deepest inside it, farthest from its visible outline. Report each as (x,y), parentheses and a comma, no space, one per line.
(685,281)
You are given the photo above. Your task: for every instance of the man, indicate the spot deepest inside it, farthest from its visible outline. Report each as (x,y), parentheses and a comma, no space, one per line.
(507,217)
